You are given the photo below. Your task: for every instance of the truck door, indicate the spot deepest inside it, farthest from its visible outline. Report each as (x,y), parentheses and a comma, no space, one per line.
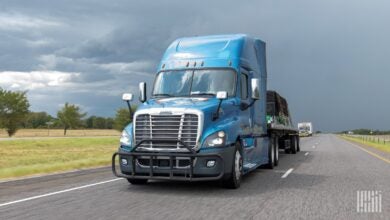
(246,122)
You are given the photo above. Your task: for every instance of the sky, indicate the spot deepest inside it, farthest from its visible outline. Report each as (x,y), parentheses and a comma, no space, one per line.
(329,58)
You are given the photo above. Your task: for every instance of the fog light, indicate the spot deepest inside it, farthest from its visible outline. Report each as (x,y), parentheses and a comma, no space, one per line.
(124,161)
(210,163)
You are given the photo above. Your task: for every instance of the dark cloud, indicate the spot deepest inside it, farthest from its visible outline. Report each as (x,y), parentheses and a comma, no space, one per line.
(329,58)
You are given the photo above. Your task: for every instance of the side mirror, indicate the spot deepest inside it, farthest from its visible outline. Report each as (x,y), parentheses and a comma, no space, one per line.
(127,97)
(255,85)
(142,92)
(222,95)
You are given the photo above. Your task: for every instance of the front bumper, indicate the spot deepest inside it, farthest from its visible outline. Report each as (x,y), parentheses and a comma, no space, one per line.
(178,166)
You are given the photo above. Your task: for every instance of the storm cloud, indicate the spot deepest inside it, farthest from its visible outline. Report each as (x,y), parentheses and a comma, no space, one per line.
(328,58)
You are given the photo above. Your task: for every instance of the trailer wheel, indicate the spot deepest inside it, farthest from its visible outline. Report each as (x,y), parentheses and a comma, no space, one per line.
(233,181)
(293,145)
(298,144)
(137,181)
(287,147)
(276,154)
(271,153)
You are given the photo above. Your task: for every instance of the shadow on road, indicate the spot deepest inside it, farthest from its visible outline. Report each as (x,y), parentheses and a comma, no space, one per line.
(253,184)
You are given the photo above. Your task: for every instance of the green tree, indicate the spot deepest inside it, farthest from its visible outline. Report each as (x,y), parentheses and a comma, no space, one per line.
(89,121)
(109,123)
(37,119)
(70,116)
(13,110)
(99,122)
(122,118)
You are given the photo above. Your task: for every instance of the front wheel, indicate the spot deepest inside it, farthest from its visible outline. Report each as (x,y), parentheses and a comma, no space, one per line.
(234,179)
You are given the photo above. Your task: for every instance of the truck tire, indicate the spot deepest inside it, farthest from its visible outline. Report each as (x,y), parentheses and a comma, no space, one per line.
(293,145)
(276,148)
(287,147)
(233,181)
(137,181)
(298,144)
(271,153)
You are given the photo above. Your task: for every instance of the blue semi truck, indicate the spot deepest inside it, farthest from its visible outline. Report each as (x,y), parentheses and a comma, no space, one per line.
(206,118)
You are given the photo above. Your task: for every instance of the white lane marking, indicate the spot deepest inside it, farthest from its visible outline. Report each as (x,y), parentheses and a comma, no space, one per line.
(58,192)
(287,173)
(307,153)
(314,146)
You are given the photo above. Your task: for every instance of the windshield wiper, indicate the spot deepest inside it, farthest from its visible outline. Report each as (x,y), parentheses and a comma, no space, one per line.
(203,93)
(162,94)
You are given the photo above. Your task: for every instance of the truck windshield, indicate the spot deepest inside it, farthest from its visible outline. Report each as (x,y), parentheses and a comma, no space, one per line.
(304,128)
(194,83)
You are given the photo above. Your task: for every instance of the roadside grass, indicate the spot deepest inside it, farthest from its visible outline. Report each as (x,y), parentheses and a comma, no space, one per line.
(60,133)
(41,156)
(380,146)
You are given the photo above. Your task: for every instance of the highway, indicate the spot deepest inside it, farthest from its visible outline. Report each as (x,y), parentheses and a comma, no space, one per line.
(320,182)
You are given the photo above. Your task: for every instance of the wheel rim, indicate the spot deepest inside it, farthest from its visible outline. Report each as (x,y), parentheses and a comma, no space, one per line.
(238,165)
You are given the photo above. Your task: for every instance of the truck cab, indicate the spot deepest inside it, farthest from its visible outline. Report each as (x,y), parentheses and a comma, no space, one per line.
(205,118)
(305,129)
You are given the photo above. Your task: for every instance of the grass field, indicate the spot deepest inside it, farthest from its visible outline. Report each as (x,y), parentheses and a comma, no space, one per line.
(379,142)
(38,156)
(60,133)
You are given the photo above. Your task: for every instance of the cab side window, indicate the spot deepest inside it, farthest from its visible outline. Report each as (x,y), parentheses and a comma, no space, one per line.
(244,86)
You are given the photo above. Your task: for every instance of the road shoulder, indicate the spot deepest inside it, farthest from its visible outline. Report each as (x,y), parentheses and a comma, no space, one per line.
(26,187)
(371,149)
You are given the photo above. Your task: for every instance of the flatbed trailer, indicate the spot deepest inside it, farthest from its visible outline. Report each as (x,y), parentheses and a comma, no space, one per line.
(279,123)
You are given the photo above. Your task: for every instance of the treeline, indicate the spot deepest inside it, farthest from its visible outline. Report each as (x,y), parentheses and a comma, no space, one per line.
(15,114)
(70,117)
(43,120)
(365,131)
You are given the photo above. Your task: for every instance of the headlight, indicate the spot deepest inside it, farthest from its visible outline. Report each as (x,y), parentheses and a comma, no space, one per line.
(217,139)
(125,139)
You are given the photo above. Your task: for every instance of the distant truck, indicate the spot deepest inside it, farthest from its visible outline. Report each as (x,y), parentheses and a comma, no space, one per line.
(305,129)
(206,118)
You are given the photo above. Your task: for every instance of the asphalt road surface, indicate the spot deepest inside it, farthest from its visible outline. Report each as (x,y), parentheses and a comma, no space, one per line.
(320,182)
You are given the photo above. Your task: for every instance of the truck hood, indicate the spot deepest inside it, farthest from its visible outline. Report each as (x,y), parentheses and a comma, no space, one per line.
(207,105)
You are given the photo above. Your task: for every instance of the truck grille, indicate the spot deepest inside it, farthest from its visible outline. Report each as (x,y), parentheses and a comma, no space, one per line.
(182,127)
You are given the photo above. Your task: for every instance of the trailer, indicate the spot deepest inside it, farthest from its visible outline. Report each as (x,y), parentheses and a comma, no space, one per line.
(206,118)
(279,123)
